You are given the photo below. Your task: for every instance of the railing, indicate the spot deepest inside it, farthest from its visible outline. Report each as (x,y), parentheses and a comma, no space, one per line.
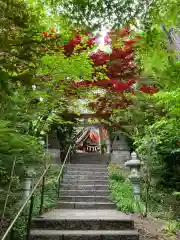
(9,234)
(61,173)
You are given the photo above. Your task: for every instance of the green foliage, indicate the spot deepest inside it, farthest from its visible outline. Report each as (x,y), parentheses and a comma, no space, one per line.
(122,195)
(159,142)
(171,228)
(50,193)
(114,173)
(27,114)
(121,189)
(34,74)
(19,44)
(160,64)
(94,15)
(22,147)
(153,121)
(50,199)
(165,12)
(75,67)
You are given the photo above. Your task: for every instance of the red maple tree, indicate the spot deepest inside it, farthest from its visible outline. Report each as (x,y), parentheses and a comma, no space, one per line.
(121,69)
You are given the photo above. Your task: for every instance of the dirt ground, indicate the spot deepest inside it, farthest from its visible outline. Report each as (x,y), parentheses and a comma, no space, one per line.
(151,228)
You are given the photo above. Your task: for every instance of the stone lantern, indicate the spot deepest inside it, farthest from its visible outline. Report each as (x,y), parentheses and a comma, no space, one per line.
(134,164)
(120,149)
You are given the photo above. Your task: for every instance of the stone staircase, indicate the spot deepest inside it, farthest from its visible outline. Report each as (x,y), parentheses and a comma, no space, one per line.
(84,210)
(90,158)
(85,187)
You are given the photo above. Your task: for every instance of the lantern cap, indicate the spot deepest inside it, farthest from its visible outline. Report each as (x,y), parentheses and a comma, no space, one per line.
(133,162)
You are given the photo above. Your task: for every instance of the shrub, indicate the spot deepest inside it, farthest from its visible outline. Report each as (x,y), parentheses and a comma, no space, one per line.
(122,192)
(50,199)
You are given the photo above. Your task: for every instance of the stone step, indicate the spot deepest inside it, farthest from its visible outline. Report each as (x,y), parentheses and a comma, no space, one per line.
(87,161)
(84,235)
(87,154)
(86,205)
(84,187)
(98,157)
(78,162)
(82,224)
(85,198)
(88,166)
(86,182)
(89,173)
(85,177)
(84,169)
(84,193)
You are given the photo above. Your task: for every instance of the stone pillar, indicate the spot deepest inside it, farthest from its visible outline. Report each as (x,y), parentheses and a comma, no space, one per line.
(28,183)
(120,149)
(52,146)
(108,144)
(100,139)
